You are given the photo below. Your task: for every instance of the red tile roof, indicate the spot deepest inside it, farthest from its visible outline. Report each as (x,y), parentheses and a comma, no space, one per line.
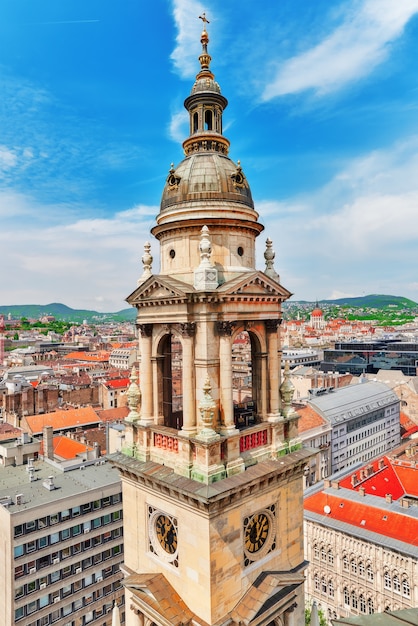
(373,519)
(96,357)
(117,383)
(66,448)
(308,418)
(60,420)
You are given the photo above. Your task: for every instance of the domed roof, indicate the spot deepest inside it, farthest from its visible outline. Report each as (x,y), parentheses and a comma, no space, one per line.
(317,313)
(206,176)
(207,83)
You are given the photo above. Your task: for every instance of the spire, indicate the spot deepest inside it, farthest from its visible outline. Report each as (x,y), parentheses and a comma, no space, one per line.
(205,105)
(205,57)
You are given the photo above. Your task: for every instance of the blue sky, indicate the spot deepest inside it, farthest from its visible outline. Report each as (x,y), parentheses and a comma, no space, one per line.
(323,115)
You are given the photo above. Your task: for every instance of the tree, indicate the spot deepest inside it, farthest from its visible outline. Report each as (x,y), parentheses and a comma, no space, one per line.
(322,618)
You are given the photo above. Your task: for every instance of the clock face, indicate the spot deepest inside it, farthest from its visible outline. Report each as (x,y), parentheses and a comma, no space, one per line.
(256,532)
(166,533)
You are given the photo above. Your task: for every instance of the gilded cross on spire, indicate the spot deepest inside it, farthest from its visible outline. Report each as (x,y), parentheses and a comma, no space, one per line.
(204,20)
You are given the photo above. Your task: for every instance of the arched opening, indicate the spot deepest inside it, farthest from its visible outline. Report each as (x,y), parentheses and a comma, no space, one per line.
(246,378)
(170,382)
(195,122)
(208,120)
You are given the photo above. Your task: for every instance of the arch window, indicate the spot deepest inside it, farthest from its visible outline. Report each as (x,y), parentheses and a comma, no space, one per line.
(346,597)
(405,588)
(208,120)
(353,566)
(345,563)
(362,603)
(354,601)
(195,122)
(331,588)
(316,551)
(316,582)
(387,581)
(361,568)
(370,573)
(396,584)
(246,378)
(330,557)
(170,381)
(323,554)
(324,585)
(370,606)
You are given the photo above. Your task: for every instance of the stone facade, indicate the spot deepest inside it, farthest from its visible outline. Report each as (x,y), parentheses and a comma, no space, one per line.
(213,507)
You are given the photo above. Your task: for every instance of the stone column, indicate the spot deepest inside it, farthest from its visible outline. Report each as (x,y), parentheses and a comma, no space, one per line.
(188,331)
(145,378)
(225,377)
(273,368)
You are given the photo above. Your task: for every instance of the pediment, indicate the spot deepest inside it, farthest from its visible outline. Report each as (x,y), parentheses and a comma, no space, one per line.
(157,289)
(254,284)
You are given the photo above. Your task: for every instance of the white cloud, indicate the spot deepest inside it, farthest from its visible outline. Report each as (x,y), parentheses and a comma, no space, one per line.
(186,13)
(8,158)
(75,261)
(359,229)
(349,53)
(179,126)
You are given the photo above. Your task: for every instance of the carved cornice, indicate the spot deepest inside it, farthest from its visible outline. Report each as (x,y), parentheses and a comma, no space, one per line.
(274,475)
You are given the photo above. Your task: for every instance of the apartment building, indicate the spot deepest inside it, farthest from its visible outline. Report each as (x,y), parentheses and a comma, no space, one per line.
(62,543)
(361,529)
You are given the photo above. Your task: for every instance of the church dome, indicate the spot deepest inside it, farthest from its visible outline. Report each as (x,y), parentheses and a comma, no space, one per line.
(208,176)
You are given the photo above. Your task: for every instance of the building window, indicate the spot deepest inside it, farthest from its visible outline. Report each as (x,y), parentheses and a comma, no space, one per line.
(31,586)
(387,581)
(31,607)
(19,613)
(18,551)
(331,589)
(330,557)
(18,531)
(353,566)
(362,604)
(354,599)
(324,585)
(19,592)
(345,563)
(370,574)
(42,542)
(405,588)
(396,584)
(361,568)
(323,554)
(42,522)
(370,606)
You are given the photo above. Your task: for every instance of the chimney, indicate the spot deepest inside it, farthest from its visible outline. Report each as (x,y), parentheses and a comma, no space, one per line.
(362,491)
(405,503)
(48,439)
(388,498)
(354,480)
(49,483)
(381,463)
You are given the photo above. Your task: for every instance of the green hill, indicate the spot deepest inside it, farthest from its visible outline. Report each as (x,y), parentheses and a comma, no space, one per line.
(65,313)
(374,301)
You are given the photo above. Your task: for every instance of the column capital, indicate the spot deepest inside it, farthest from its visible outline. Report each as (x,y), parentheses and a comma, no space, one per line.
(225,328)
(145,329)
(187,329)
(272,325)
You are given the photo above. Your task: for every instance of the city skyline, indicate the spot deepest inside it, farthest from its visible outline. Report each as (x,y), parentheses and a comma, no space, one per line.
(322,116)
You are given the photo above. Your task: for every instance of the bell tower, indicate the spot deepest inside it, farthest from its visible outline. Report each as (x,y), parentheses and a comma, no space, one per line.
(212,486)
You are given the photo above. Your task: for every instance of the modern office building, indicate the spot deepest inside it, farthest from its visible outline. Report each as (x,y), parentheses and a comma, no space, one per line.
(358,358)
(364,419)
(61,529)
